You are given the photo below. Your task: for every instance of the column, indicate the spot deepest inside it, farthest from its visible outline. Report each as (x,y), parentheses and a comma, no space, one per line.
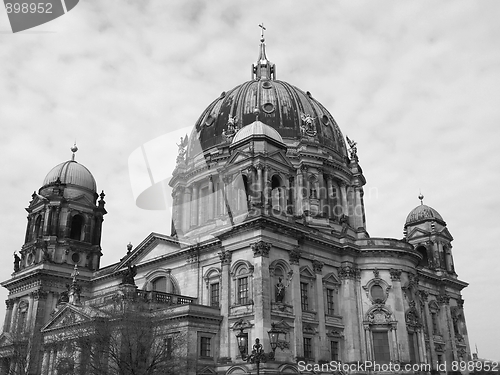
(298,193)
(359,208)
(307,185)
(424,297)
(322,196)
(9,305)
(185,212)
(394,339)
(348,275)
(290,189)
(262,291)
(45,362)
(297,346)
(368,340)
(266,188)
(260,185)
(343,193)
(211,196)
(329,199)
(225,301)
(320,297)
(52,356)
(444,301)
(399,314)
(194,206)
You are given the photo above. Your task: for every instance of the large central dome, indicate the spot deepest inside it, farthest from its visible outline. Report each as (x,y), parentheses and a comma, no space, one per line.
(293,113)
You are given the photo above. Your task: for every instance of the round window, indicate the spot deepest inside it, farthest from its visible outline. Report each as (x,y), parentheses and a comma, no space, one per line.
(75,257)
(267,85)
(325,120)
(268,107)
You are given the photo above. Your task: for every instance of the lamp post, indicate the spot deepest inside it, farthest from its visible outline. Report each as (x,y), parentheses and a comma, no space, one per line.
(258,355)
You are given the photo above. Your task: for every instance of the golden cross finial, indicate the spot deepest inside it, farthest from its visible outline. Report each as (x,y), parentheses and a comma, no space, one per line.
(262,31)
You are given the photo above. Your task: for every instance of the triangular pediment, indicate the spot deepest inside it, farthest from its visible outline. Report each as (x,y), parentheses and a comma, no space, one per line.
(5,339)
(330,279)
(37,200)
(66,317)
(446,233)
(155,246)
(307,272)
(417,233)
(279,157)
(238,157)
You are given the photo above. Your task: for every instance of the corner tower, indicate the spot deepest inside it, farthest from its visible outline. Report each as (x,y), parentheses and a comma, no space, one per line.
(63,236)
(65,219)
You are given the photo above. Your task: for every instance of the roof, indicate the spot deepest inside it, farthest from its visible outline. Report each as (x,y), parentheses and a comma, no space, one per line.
(423,213)
(257,128)
(72,173)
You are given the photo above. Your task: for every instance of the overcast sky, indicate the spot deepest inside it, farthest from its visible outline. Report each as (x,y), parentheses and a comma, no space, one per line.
(416,84)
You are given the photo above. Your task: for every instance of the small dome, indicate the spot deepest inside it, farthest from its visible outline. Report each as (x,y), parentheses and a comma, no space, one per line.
(423,213)
(257,128)
(71,173)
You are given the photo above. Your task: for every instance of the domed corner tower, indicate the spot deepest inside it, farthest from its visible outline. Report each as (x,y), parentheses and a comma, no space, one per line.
(65,220)
(62,241)
(266,147)
(439,288)
(426,230)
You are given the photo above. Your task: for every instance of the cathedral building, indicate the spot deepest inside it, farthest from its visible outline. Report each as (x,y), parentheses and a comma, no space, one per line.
(268,242)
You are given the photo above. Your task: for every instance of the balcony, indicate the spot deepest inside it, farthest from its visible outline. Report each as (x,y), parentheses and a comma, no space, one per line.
(166,298)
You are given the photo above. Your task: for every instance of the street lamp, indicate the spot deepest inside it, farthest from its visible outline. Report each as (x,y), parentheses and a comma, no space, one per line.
(258,355)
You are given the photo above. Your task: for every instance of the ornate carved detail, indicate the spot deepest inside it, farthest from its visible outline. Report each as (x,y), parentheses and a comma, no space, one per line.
(9,303)
(348,272)
(294,255)
(39,294)
(379,315)
(307,127)
(353,150)
(225,257)
(395,274)
(232,128)
(261,249)
(318,266)
(460,303)
(439,347)
(424,295)
(181,152)
(443,299)
(411,317)
(376,273)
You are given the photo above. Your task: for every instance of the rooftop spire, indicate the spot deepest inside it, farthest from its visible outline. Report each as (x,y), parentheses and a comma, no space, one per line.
(264,69)
(421,197)
(74,149)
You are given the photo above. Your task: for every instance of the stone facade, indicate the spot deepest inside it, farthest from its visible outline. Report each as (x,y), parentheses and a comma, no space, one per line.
(269,231)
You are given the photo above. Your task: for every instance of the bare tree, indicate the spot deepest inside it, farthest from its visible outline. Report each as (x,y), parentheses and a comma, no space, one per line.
(131,340)
(14,356)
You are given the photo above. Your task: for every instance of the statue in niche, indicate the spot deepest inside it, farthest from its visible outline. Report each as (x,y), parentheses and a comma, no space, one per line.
(232,128)
(281,288)
(17,262)
(280,291)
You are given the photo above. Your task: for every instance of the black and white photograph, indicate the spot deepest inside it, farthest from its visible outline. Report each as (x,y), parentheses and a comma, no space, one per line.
(269,187)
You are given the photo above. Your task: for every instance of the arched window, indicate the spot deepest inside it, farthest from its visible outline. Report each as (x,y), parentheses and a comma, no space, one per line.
(37,230)
(425,260)
(76,231)
(164,284)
